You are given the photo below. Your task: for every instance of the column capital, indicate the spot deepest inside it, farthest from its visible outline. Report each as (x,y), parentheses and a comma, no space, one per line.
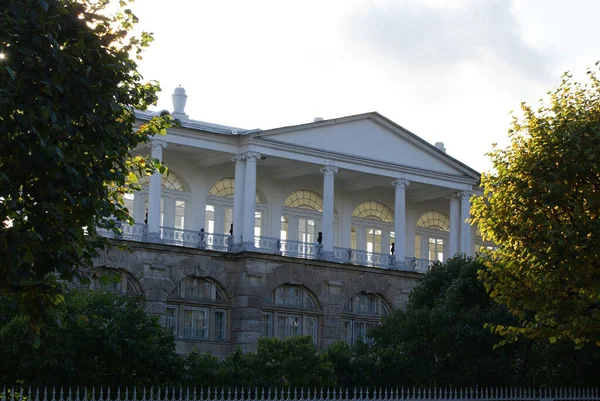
(157,143)
(465,194)
(401,182)
(238,158)
(251,156)
(329,170)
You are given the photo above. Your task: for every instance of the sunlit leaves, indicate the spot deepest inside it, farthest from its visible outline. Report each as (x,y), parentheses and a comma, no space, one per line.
(68,90)
(541,206)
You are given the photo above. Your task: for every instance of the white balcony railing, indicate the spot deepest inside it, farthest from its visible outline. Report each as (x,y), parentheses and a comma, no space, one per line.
(289,248)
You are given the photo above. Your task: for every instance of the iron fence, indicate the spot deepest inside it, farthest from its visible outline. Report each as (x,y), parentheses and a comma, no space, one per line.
(50,393)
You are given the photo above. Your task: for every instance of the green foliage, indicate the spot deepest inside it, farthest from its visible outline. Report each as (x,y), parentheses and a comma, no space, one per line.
(541,206)
(68,90)
(288,363)
(441,339)
(96,337)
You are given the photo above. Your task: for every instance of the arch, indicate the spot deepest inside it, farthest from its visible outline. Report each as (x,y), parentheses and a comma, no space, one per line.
(199,288)
(198,309)
(293,296)
(291,310)
(114,280)
(304,199)
(169,180)
(434,219)
(225,188)
(374,210)
(367,303)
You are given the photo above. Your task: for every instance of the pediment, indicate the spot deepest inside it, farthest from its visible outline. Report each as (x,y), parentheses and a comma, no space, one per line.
(373,137)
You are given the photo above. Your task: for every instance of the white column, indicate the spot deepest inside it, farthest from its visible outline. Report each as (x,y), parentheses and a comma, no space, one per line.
(169,213)
(400,220)
(154,192)
(346,223)
(361,238)
(385,242)
(197,207)
(275,209)
(328,209)
(293,228)
(411,226)
(454,225)
(139,207)
(249,200)
(465,226)
(238,198)
(220,220)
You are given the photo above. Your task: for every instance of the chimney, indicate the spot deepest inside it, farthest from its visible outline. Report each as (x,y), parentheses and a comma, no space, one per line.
(317,119)
(440,146)
(179,99)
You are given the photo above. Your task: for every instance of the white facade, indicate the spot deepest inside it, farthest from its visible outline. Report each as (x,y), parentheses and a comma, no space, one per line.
(362,181)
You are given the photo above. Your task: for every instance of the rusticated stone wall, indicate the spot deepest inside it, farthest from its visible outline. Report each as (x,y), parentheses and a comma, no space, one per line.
(247,279)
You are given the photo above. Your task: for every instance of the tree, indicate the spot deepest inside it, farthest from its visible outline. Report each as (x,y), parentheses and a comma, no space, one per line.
(441,339)
(68,91)
(98,338)
(542,207)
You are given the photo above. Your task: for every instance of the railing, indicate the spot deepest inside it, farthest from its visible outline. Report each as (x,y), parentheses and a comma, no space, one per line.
(135,232)
(267,245)
(289,248)
(420,265)
(132,393)
(302,250)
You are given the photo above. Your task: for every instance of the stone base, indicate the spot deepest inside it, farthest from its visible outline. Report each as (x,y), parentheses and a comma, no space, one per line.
(153,237)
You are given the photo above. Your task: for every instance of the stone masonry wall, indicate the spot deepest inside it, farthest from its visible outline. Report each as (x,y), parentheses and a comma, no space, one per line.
(247,279)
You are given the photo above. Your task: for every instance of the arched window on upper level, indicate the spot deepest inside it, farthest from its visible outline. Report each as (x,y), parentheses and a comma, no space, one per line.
(114,281)
(304,199)
(432,245)
(290,311)
(219,212)
(197,309)
(374,210)
(362,312)
(435,220)
(169,180)
(225,188)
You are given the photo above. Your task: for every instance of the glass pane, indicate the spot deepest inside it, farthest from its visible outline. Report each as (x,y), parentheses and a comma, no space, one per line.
(353,238)
(257,223)
(209,220)
(228,220)
(284,227)
(179,214)
(266,325)
(219,325)
(417,246)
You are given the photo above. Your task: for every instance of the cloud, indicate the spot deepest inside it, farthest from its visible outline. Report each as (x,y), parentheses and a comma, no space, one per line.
(427,36)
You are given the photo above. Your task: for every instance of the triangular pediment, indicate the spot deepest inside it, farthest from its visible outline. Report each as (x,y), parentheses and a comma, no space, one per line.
(370,136)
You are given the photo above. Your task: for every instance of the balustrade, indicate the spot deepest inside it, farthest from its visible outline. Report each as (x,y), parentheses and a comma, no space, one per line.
(269,245)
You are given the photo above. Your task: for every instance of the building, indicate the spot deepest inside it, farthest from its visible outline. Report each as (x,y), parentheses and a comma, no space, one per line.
(317,229)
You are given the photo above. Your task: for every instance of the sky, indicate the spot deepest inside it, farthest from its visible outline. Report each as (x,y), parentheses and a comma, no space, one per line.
(447,70)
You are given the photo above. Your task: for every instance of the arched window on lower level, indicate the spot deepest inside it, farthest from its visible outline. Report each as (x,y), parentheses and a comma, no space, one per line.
(197,309)
(362,312)
(115,281)
(290,311)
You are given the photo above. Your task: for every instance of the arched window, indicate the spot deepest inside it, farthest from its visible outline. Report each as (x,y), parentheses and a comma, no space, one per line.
(291,311)
(169,181)
(304,199)
(219,212)
(114,281)
(197,310)
(374,211)
(225,188)
(435,220)
(362,312)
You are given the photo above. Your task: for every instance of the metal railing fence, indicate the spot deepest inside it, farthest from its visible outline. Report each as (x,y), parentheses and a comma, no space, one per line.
(127,393)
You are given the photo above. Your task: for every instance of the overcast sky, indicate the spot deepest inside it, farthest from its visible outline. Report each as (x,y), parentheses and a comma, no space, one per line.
(446,70)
